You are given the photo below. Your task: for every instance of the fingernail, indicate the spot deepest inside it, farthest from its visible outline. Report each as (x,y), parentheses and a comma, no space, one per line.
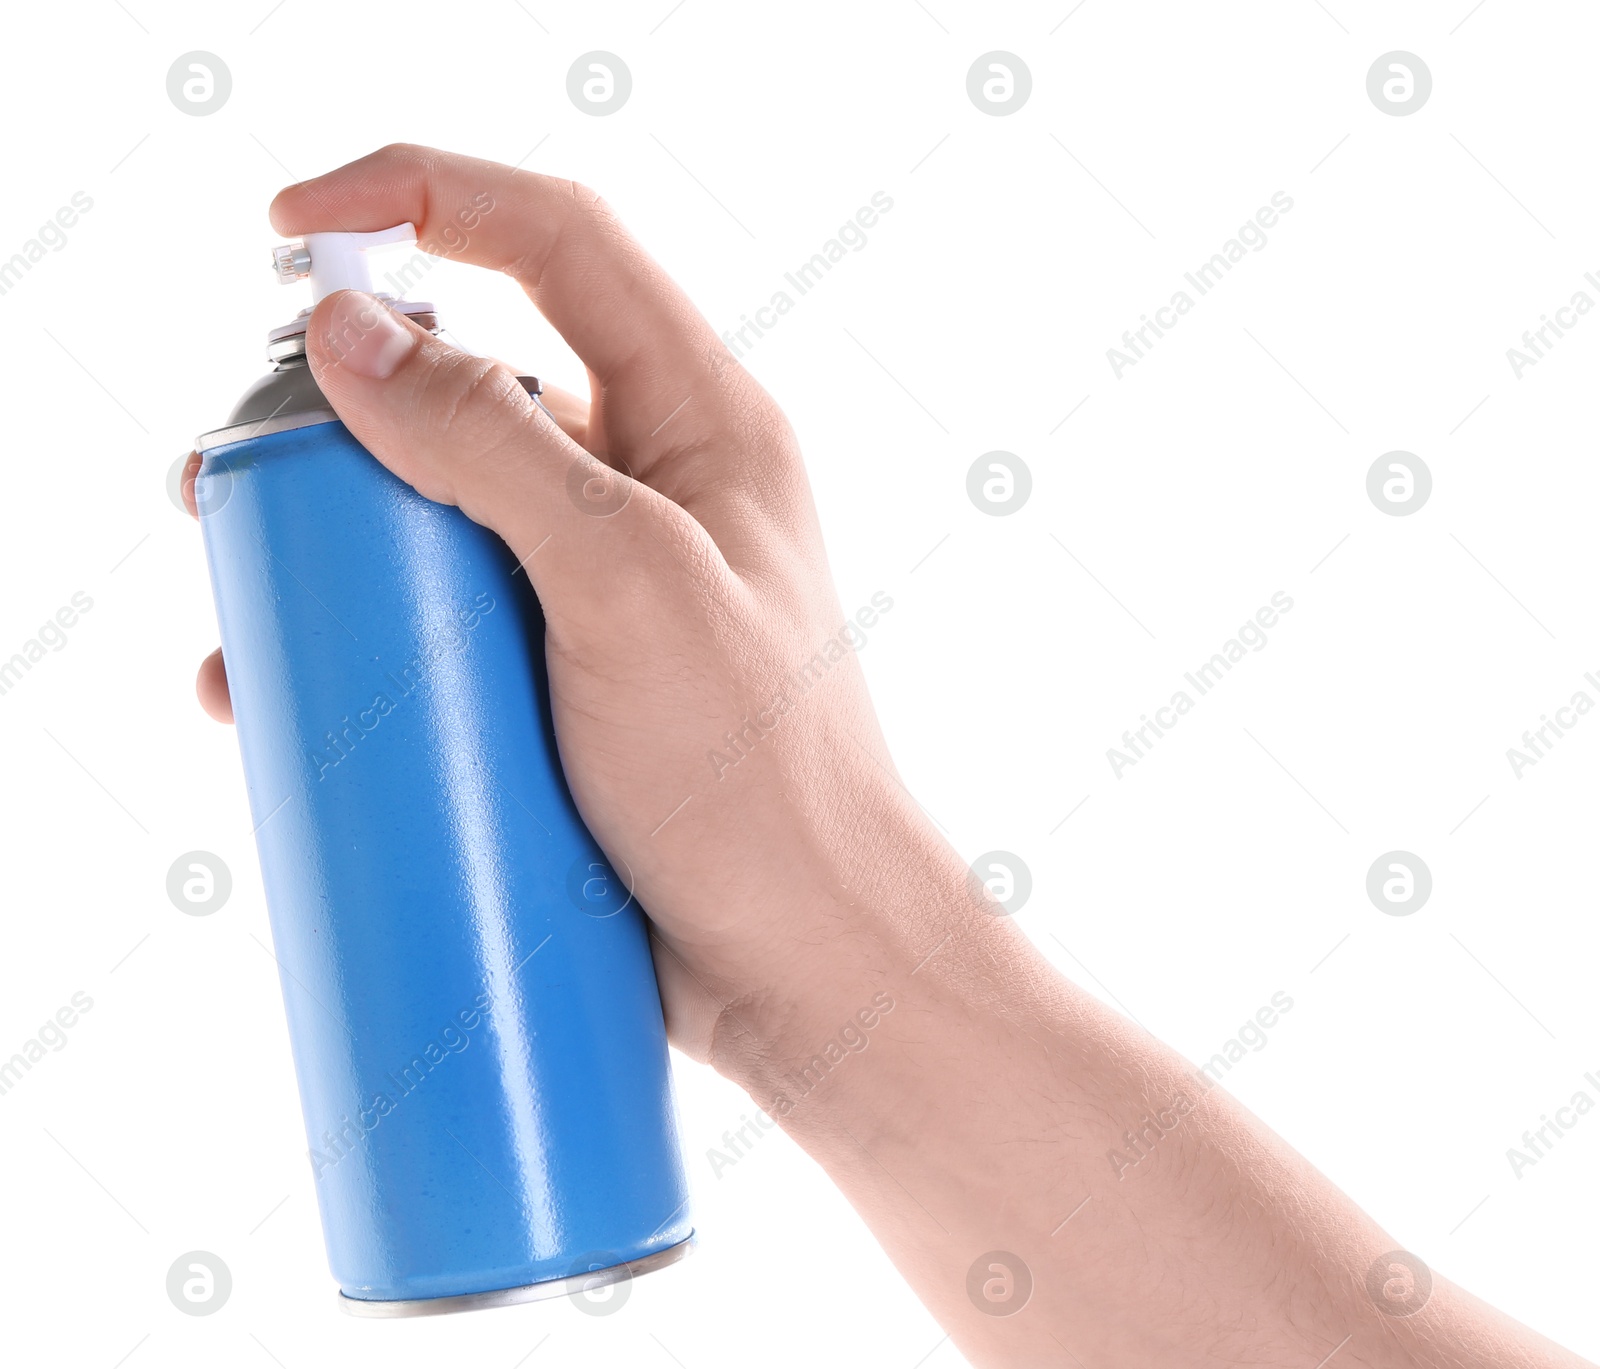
(364,336)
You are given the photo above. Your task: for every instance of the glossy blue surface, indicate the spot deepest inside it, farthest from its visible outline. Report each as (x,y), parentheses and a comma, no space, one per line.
(479,1045)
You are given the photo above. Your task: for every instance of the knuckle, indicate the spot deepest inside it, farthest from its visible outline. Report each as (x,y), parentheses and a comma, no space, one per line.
(401,152)
(589,208)
(583,196)
(468,398)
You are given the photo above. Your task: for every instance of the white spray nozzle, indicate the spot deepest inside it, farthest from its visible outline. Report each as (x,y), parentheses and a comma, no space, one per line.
(336,261)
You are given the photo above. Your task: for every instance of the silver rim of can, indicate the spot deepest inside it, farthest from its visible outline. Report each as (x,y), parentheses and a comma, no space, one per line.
(510,1297)
(222,437)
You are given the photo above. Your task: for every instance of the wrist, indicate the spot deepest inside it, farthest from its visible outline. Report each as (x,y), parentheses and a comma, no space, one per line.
(906,939)
(780,1044)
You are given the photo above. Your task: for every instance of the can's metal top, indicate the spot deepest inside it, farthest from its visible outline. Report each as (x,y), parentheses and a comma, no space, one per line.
(288,395)
(289,340)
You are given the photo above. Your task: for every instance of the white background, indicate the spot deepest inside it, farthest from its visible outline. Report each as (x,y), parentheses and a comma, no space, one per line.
(1228,464)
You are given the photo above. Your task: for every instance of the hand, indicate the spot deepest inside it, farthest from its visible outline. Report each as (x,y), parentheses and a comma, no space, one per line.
(793,883)
(683,581)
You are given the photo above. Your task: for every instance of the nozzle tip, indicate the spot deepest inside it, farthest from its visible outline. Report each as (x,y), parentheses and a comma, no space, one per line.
(291,262)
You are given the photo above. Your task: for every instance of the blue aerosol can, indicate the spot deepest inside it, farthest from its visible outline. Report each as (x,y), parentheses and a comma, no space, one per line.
(476,1026)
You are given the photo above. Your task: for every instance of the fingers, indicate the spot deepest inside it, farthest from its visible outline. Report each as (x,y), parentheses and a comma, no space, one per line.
(191,468)
(211,682)
(570,413)
(461,430)
(663,376)
(211,688)
(669,407)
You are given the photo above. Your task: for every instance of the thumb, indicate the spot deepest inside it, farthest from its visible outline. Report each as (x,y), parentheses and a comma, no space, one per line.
(461,430)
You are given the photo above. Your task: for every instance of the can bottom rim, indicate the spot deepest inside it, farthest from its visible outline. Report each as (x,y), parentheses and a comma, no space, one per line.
(385,1308)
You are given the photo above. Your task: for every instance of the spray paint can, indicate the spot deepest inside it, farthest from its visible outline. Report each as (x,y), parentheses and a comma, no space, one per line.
(475,1021)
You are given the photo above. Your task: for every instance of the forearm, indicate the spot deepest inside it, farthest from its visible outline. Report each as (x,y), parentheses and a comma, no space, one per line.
(969,1100)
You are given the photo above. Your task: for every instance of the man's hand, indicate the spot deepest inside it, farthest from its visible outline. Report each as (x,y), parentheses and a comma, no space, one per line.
(816,938)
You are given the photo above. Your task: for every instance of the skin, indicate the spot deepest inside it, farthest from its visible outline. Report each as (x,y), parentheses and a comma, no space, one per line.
(794,892)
